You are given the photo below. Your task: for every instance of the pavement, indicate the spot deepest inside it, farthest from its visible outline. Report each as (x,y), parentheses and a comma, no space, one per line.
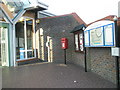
(48,75)
(0,77)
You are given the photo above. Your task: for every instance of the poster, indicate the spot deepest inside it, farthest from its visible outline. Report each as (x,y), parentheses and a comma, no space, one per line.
(81,42)
(76,42)
(86,33)
(109,35)
(96,37)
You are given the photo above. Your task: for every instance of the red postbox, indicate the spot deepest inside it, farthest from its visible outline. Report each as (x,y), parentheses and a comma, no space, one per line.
(64,42)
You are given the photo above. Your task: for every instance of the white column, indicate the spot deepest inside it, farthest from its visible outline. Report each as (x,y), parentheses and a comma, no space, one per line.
(14,46)
(25,35)
(34,38)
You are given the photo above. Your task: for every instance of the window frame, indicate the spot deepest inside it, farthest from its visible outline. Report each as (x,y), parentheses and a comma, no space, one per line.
(78,39)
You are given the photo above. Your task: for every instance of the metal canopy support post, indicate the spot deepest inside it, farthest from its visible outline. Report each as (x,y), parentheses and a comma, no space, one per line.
(18,16)
(15,19)
(14,46)
(8,19)
(10,45)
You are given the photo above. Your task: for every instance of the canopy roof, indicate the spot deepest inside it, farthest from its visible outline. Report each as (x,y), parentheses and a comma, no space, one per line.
(24,4)
(78,28)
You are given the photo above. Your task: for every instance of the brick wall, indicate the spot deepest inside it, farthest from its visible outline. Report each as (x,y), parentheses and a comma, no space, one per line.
(102,63)
(99,60)
(57,28)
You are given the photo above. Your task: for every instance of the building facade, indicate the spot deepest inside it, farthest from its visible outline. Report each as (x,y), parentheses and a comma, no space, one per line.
(17,30)
(98,59)
(25,37)
(52,30)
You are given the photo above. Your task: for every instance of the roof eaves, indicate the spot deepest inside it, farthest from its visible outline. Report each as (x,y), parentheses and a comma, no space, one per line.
(78,28)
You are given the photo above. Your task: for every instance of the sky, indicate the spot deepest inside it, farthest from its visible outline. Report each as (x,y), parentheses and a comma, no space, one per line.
(88,10)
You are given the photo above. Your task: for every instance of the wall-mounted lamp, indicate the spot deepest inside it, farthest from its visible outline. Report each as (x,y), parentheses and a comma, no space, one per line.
(115,18)
(37,21)
(21,19)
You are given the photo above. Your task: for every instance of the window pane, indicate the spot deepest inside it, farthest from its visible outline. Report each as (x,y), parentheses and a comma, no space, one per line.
(81,41)
(29,34)
(4,47)
(20,39)
(29,30)
(76,42)
(30,54)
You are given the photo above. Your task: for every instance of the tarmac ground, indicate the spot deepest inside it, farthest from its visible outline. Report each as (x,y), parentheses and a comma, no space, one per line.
(48,75)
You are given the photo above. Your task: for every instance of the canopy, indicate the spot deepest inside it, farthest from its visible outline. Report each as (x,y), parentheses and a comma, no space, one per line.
(77,28)
(16,5)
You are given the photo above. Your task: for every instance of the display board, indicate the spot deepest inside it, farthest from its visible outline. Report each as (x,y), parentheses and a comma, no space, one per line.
(100,34)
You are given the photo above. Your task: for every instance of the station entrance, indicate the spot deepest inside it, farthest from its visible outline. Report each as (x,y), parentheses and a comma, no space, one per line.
(25,46)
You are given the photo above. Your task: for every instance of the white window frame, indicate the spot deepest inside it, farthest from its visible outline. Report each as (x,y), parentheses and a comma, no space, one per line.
(78,41)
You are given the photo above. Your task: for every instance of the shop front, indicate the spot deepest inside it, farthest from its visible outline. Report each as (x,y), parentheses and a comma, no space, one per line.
(18,37)
(25,47)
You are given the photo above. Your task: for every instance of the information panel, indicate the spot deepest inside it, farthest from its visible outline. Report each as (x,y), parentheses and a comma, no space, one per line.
(96,37)
(100,35)
(109,35)
(86,33)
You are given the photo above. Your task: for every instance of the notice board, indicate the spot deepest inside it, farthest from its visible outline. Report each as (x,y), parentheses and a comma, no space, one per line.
(100,34)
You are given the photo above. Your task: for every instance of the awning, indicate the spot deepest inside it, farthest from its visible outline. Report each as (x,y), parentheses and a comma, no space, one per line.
(35,5)
(78,28)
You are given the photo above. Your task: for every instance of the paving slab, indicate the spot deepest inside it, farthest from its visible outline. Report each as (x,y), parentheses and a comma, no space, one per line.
(49,75)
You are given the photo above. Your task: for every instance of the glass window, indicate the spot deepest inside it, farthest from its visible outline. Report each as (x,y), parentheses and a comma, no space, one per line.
(20,39)
(79,42)
(4,46)
(24,39)
(76,42)
(29,34)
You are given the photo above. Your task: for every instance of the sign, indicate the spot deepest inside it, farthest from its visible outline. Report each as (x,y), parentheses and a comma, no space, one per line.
(100,34)
(96,37)
(109,35)
(115,51)
(86,38)
(21,53)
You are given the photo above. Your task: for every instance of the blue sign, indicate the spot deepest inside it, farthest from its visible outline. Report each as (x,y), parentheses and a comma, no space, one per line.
(22,53)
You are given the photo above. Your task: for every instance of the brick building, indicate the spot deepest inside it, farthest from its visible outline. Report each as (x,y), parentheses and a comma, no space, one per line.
(55,28)
(99,59)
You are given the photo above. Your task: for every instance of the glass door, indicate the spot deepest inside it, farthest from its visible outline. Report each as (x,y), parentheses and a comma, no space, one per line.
(24,39)
(4,45)
(20,40)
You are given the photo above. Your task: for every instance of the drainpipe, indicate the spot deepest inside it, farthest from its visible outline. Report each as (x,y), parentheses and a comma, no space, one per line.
(117,57)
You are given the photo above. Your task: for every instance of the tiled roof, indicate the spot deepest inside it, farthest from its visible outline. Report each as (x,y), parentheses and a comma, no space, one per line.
(79,20)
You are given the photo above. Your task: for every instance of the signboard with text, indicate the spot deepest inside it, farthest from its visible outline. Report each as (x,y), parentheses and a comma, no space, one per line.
(100,34)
